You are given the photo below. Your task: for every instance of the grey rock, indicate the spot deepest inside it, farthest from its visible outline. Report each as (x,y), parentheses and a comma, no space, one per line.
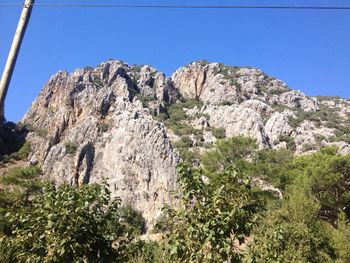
(278,125)
(116,138)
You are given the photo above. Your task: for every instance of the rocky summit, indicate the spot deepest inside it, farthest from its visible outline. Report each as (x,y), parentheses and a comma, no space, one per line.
(131,125)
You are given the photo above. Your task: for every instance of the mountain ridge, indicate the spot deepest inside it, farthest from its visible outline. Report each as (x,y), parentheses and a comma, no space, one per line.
(131,125)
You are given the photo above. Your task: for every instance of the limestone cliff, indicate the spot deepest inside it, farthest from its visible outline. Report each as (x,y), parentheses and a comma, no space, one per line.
(93,127)
(121,123)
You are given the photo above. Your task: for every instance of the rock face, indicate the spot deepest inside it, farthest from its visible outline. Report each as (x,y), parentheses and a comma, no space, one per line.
(105,123)
(278,125)
(238,120)
(96,129)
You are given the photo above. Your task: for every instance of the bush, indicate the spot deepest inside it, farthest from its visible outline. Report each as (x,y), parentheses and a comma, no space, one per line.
(71,147)
(37,130)
(146,252)
(293,233)
(18,186)
(218,133)
(209,224)
(85,223)
(230,151)
(103,127)
(184,142)
(24,151)
(289,141)
(133,217)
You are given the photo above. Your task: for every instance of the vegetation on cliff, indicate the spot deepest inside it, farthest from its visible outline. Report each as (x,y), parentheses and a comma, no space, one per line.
(221,217)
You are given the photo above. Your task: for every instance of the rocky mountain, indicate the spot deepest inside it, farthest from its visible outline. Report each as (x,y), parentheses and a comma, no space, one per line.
(131,125)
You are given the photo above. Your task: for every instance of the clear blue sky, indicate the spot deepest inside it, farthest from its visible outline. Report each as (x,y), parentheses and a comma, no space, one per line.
(310,50)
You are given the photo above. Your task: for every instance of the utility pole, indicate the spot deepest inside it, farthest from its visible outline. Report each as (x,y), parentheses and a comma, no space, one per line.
(12,57)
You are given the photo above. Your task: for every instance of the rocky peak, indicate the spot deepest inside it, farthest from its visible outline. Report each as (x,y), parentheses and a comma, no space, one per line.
(121,123)
(95,127)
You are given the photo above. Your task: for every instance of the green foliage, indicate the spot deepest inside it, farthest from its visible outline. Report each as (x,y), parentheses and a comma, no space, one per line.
(67,224)
(341,237)
(24,151)
(230,73)
(18,186)
(146,252)
(272,165)
(219,133)
(293,233)
(176,118)
(289,140)
(71,147)
(134,218)
(328,179)
(227,152)
(189,156)
(103,126)
(176,111)
(214,218)
(325,114)
(184,142)
(37,130)
(145,99)
(311,224)
(22,154)
(217,214)
(162,223)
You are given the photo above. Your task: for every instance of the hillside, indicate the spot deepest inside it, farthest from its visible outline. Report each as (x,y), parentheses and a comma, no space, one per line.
(215,163)
(131,125)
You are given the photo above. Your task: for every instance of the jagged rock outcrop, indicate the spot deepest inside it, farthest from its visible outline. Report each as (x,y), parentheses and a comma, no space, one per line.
(96,129)
(238,120)
(215,83)
(278,125)
(108,123)
(294,99)
(204,82)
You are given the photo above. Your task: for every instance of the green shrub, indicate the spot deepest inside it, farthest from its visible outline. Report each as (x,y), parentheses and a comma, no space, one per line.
(209,224)
(184,142)
(289,141)
(230,151)
(145,99)
(103,127)
(67,224)
(218,133)
(25,150)
(309,147)
(71,147)
(39,131)
(292,233)
(146,252)
(18,186)
(133,218)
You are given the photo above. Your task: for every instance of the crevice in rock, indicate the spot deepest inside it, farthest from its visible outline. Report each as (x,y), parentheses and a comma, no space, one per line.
(86,154)
(199,86)
(106,103)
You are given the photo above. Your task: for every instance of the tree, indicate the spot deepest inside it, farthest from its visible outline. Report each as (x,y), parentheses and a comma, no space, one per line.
(214,218)
(17,188)
(293,233)
(341,237)
(273,166)
(67,224)
(328,177)
(228,152)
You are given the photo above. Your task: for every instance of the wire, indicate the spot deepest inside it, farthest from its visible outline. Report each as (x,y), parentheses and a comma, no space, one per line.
(188,6)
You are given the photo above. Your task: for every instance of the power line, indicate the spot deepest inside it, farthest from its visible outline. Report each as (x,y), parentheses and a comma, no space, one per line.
(187,6)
